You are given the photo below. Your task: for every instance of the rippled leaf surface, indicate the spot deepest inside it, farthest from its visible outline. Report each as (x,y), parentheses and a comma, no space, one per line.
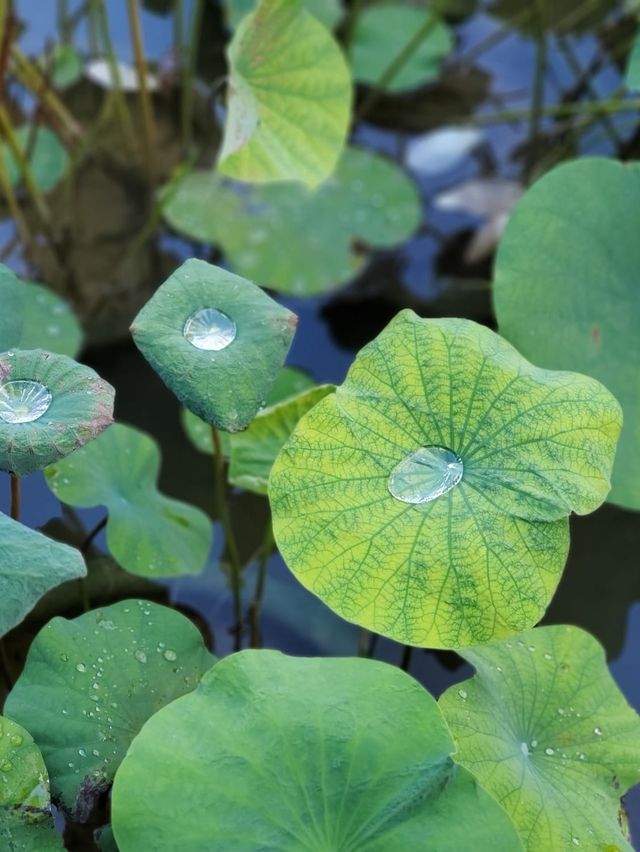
(45,154)
(225,387)
(30,565)
(360,752)
(254,451)
(33,317)
(547,732)
(71,404)
(368,200)
(566,289)
(147,533)
(90,683)
(290,382)
(452,561)
(380,36)
(289,98)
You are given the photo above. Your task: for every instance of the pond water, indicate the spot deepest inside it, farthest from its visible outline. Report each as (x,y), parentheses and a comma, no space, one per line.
(494,68)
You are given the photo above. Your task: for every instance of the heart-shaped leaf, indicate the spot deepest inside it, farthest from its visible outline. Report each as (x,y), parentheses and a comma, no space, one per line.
(302,754)
(369,200)
(49,406)
(34,317)
(45,153)
(380,36)
(216,340)
(30,565)
(26,824)
(545,729)
(254,451)
(289,97)
(290,382)
(566,290)
(89,685)
(327,11)
(147,533)
(427,498)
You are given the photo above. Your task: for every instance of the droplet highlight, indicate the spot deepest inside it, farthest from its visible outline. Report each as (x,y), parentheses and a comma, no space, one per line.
(23,401)
(210,329)
(425,475)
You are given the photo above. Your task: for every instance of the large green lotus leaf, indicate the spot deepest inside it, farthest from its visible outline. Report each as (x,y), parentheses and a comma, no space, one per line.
(33,317)
(327,11)
(147,533)
(290,381)
(225,385)
(49,406)
(30,565)
(368,200)
(253,452)
(90,683)
(381,34)
(21,831)
(46,155)
(566,288)
(427,498)
(546,731)
(289,99)
(274,752)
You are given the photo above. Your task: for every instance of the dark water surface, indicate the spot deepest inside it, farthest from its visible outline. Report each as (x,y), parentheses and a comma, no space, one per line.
(600,590)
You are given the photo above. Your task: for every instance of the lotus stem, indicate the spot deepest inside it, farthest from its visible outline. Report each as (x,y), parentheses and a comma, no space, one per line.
(91,535)
(610,107)
(230,539)
(258,595)
(188,75)
(146,105)
(25,170)
(15,497)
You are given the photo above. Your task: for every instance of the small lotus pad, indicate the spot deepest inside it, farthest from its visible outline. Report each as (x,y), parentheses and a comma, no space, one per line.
(216,340)
(49,406)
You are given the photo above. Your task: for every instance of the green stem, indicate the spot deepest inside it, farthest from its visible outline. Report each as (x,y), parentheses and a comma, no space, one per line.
(405,662)
(610,107)
(7,190)
(63,21)
(188,75)
(15,497)
(258,595)
(6,664)
(230,539)
(397,64)
(91,535)
(25,169)
(146,105)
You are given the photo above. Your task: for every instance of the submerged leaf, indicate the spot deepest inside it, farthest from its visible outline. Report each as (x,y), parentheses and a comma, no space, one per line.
(563,739)
(427,499)
(89,685)
(302,754)
(254,451)
(45,154)
(35,317)
(147,533)
(30,565)
(382,33)
(368,200)
(216,340)
(49,406)
(443,149)
(289,97)
(566,288)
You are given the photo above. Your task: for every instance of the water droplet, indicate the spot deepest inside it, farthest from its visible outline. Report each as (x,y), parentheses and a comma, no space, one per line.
(6,765)
(140,656)
(210,329)
(549,751)
(82,752)
(575,841)
(170,655)
(80,667)
(597,732)
(64,658)
(95,752)
(65,712)
(463,694)
(548,656)
(16,740)
(23,401)
(425,474)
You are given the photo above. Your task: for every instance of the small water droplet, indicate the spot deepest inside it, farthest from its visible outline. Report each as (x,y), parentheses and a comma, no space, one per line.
(82,752)
(95,752)
(534,743)
(6,765)
(463,694)
(80,667)
(548,656)
(210,329)
(597,732)
(140,656)
(16,740)
(23,401)
(64,658)
(170,655)
(65,712)
(549,750)
(425,475)
(575,841)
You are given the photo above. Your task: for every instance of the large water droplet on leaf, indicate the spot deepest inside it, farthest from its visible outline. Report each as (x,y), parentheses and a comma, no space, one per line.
(23,401)
(210,329)
(425,474)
